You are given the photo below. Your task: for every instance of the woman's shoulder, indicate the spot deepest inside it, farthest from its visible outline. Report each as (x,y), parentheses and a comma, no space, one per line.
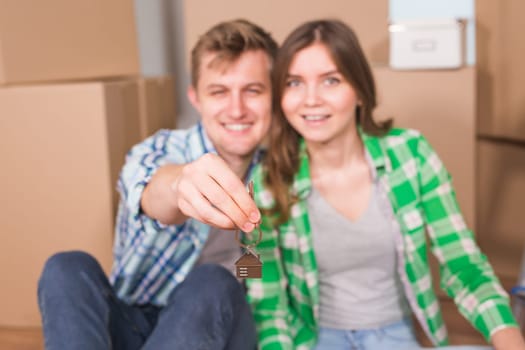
(411,138)
(403,134)
(399,144)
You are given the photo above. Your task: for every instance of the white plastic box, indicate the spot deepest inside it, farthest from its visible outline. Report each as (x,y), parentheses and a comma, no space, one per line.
(429,44)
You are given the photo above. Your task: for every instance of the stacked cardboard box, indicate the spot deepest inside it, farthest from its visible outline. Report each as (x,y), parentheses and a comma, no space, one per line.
(368,18)
(59,40)
(64,145)
(501,134)
(501,72)
(72,103)
(501,190)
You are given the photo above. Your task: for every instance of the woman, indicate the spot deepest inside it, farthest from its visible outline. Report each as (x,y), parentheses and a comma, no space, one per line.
(347,201)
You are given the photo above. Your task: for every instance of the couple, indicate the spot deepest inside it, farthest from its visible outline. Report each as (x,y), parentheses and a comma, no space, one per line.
(331,181)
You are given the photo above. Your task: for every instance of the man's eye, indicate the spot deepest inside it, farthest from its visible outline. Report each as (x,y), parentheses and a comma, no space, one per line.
(217,92)
(254,91)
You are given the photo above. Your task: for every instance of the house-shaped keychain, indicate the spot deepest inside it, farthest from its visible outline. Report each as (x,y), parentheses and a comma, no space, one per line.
(249,266)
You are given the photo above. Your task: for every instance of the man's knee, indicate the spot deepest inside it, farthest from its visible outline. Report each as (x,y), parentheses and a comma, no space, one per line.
(212,281)
(67,268)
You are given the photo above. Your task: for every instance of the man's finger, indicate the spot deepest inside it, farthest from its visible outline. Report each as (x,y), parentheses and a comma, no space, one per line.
(238,192)
(206,213)
(223,201)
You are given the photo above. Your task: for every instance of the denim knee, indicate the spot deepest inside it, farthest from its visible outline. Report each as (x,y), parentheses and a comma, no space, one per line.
(214,282)
(66,269)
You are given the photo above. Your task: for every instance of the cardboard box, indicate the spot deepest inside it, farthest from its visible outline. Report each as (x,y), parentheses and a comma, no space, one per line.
(440,104)
(62,147)
(500,192)
(501,72)
(426,44)
(60,40)
(157,105)
(368,18)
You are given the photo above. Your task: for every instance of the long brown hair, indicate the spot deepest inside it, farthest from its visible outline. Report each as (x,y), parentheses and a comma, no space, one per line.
(282,161)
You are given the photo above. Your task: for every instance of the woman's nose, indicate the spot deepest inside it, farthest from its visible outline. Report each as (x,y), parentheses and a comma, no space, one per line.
(312,97)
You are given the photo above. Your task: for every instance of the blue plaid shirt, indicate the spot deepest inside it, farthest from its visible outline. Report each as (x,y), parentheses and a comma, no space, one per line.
(151,259)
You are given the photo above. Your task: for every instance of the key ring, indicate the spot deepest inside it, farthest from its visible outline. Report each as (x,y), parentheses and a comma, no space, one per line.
(252,245)
(257,227)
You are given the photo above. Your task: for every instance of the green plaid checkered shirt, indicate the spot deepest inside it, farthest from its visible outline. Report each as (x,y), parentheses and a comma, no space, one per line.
(286,300)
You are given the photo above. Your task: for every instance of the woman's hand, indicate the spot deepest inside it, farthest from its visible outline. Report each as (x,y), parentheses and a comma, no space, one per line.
(509,338)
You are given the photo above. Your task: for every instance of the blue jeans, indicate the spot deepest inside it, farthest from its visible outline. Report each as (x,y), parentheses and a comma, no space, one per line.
(396,336)
(81,311)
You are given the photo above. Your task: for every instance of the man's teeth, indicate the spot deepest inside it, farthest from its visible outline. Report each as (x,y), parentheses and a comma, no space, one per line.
(236,127)
(314,117)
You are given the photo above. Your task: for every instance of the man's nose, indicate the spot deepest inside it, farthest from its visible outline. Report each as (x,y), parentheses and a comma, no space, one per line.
(236,107)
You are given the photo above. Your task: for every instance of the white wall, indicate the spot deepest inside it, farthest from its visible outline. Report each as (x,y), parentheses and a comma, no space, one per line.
(160,27)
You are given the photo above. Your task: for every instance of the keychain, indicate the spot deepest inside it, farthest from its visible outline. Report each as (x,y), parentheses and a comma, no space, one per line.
(249,265)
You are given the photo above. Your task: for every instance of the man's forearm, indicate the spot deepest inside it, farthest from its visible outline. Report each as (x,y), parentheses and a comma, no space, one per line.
(159,197)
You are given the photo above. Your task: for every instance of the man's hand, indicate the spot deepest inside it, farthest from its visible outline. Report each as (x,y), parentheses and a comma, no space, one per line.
(207,190)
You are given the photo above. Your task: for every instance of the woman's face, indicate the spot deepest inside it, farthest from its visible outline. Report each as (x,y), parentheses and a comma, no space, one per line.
(317,100)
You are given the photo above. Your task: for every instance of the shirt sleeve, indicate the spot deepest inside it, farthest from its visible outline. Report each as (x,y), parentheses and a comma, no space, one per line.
(142,161)
(136,234)
(466,274)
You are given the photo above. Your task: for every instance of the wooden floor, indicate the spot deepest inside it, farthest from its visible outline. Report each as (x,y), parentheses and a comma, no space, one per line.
(31,339)
(460,332)
(21,339)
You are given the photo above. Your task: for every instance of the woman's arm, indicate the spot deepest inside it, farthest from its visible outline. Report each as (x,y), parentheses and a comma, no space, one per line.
(509,338)
(466,275)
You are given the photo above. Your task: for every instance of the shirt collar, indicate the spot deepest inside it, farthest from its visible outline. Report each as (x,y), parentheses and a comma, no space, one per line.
(208,147)
(206,144)
(375,150)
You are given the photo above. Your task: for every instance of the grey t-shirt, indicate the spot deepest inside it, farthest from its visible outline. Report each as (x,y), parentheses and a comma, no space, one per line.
(357,261)
(220,248)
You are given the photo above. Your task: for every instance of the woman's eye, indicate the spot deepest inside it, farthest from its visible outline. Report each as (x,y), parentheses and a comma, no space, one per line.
(292,82)
(332,81)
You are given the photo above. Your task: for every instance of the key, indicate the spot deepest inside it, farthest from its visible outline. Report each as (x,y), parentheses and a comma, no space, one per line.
(249,265)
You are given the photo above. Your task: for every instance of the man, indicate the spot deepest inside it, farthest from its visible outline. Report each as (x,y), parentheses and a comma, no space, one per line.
(176,187)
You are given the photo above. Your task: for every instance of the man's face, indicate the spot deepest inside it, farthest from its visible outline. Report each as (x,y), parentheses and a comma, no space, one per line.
(234,100)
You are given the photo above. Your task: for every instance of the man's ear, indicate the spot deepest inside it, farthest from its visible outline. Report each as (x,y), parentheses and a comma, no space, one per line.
(192,97)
